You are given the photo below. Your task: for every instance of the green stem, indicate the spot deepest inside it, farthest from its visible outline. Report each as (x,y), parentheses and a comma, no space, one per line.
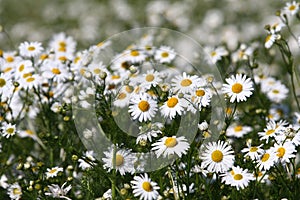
(113,180)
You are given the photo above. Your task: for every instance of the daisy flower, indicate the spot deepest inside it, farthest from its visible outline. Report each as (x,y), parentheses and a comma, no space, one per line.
(135,56)
(3,181)
(24,66)
(272,129)
(278,92)
(171,145)
(267,160)
(30,49)
(215,54)
(124,160)
(149,131)
(270,39)
(28,81)
(6,87)
(8,130)
(185,83)
(55,70)
(291,8)
(164,54)
(58,192)
(243,53)
(123,96)
(150,78)
(253,152)
(142,107)
(238,178)
(144,187)
(15,191)
(53,171)
(284,151)
(238,88)
(171,107)
(238,131)
(217,157)
(61,43)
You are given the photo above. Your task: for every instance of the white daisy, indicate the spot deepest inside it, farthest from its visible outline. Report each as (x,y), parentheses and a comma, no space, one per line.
(285,151)
(124,160)
(270,39)
(150,78)
(24,66)
(272,129)
(170,146)
(171,107)
(123,96)
(238,131)
(53,171)
(28,81)
(243,53)
(15,191)
(164,54)
(148,131)
(144,187)
(238,178)
(142,107)
(61,43)
(253,152)
(30,49)
(135,56)
(278,92)
(6,87)
(217,157)
(292,8)
(185,83)
(238,88)
(215,54)
(55,70)
(9,130)
(267,160)
(59,192)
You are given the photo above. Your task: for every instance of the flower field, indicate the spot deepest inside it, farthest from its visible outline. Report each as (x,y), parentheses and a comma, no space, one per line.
(149,99)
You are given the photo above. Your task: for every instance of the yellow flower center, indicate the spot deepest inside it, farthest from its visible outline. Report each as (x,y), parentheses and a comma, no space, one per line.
(213,53)
(63,58)
(10,59)
(238,128)
(10,130)
(237,88)
(21,68)
(7,69)
(17,191)
(134,53)
(122,96)
(265,157)
(52,171)
(30,79)
(268,38)
(172,102)
(217,156)
(56,71)
(269,132)
(31,48)
(97,71)
(149,77)
(2,82)
(44,56)
(253,149)
(238,177)
(200,93)
(115,77)
(186,82)
(129,89)
(164,54)
(144,106)
(147,186)
(292,7)
(171,142)
(119,160)
(275,91)
(280,152)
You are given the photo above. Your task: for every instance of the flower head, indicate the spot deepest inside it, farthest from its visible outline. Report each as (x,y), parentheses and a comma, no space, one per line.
(144,187)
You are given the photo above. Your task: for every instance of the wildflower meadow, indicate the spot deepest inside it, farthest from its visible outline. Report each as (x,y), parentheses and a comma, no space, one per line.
(175,100)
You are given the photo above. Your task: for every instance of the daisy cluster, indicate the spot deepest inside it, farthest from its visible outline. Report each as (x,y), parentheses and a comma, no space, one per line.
(249,151)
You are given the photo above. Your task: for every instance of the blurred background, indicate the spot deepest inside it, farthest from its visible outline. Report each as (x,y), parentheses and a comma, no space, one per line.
(91,21)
